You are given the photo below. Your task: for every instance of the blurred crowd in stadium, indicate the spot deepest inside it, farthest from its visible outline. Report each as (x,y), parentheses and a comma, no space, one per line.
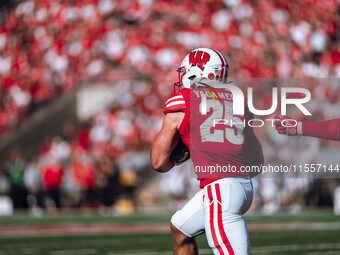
(49,47)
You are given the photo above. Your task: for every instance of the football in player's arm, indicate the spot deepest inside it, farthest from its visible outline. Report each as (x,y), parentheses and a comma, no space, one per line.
(329,129)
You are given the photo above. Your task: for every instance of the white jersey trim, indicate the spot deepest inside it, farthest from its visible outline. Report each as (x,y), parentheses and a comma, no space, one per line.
(174,98)
(175,103)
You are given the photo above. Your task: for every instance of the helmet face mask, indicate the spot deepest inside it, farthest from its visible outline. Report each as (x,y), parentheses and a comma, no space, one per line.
(202,63)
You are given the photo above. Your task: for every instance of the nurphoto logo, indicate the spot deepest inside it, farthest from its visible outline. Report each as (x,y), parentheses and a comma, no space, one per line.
(212,92)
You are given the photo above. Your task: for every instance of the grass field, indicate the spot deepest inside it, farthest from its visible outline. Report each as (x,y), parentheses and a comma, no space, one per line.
(308,233)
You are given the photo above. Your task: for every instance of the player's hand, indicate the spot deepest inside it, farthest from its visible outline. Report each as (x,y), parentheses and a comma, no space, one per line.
(290,125)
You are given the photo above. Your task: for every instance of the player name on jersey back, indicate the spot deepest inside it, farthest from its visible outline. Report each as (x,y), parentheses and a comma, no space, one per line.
(217,149)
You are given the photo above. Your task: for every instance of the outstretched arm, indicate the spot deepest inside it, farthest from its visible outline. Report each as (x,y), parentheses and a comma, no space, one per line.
(329,129)
(165,142)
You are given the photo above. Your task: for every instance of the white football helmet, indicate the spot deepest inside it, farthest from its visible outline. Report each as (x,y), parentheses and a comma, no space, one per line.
(202,63)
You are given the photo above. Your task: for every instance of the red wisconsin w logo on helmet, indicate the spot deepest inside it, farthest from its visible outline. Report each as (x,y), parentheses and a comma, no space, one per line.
(196,58)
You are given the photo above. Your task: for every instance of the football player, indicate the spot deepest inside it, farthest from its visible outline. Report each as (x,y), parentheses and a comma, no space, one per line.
(218,208)
(329,129)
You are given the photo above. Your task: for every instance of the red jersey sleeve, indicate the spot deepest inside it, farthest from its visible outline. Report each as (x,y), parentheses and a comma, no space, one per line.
(329,129)
(175,103)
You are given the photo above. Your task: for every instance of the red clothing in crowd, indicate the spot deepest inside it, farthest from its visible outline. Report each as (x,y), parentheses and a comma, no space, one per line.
(53,177)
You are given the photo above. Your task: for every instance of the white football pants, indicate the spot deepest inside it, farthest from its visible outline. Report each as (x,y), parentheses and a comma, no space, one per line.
(218,211)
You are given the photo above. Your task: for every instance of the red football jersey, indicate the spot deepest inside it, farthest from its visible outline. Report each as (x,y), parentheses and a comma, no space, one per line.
(216,139)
